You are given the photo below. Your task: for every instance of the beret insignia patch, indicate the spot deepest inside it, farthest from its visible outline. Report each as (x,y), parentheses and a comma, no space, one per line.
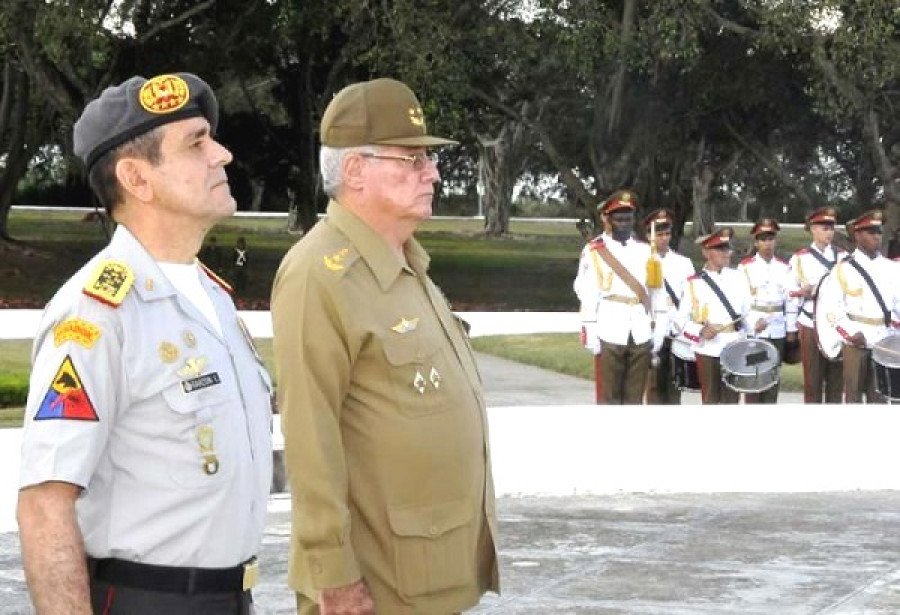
(76,330)
(164,94)
(110,282)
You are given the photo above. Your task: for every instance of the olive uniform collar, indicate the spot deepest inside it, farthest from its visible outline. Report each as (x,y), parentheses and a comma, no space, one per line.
(374,250)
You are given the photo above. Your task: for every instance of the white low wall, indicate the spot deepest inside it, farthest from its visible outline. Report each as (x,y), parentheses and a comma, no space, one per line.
(569,450)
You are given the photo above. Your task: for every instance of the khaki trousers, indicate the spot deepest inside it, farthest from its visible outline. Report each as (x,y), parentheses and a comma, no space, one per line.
(712,389)
(661,387)
(624,371)
(822,378)
(859,377)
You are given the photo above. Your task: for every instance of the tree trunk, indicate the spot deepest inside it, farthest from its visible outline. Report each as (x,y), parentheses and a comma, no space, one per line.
(13,128)
(703,213)
(304,205)
(497,184)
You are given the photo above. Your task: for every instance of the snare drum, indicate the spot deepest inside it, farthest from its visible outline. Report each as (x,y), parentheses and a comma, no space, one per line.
(750,365)
(684,367)
(886,363)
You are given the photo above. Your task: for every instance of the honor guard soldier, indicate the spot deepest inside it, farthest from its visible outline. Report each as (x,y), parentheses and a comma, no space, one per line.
(822,377)
(676,270)
(862,306)
(773,313)
(384,420)
(612,276)
(147,453)
(712,313)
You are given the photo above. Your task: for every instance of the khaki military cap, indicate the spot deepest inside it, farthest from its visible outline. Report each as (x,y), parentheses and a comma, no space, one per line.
(378,112)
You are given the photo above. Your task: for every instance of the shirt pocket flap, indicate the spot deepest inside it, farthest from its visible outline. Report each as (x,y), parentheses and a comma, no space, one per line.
(408,349)
(184,402)
(431,521)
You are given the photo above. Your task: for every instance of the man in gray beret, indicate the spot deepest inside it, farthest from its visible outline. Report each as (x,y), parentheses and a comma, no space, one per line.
(146,458)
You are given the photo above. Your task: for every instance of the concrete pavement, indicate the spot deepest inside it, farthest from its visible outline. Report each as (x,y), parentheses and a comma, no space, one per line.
(648,553)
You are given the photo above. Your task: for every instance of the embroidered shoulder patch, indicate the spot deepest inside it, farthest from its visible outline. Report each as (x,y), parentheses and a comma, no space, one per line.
(66,397)
(215,278)
(76,330)
(335,262)
(110,282)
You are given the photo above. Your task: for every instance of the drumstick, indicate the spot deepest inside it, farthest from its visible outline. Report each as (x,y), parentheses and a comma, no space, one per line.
(719,328)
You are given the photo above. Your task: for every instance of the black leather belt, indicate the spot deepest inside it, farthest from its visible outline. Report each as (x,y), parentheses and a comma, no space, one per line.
(173,579)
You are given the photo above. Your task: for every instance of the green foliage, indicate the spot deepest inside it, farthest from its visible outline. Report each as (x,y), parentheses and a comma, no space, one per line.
(13,389)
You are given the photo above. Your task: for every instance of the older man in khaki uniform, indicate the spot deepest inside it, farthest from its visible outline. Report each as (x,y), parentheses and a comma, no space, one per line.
(383,414)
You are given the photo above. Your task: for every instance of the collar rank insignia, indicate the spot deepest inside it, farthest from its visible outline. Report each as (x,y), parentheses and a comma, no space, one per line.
(110,282)
(66,397)
(405,326)
(335,261)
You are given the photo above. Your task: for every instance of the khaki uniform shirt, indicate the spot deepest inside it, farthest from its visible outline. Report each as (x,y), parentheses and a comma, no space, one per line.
(384,422)
(164,422)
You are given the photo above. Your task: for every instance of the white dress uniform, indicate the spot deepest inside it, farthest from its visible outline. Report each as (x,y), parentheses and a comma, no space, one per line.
(807,270)
(850,305)
(770,286)
(700,305)
(586,291)
(676,271)
(164,421)
(617,311)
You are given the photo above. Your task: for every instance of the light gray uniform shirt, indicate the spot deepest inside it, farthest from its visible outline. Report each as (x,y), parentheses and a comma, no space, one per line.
(164,422)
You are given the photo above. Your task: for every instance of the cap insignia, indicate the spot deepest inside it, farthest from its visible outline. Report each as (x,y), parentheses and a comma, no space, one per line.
(416,117)
(164,94)
(406,325)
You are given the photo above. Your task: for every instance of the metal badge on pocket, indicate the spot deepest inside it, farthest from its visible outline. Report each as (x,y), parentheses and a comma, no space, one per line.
(205,438)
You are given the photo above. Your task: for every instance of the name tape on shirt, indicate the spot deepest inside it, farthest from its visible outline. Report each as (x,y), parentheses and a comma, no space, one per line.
(200,382)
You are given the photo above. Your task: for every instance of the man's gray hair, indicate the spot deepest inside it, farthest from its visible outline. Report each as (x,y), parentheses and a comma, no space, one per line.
(331,160)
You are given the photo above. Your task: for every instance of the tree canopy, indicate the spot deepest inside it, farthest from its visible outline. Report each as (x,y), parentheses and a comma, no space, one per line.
(713,108)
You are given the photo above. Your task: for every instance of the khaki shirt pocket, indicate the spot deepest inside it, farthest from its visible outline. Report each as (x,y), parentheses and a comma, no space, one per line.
(201,454)
(416,369)
(434,546)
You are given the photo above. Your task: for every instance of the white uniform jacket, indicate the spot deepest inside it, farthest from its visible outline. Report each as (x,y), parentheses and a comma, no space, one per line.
(700,305)
(806,270)
(770,286)
(676,271)
(617,311)
(164,422)
(850,305)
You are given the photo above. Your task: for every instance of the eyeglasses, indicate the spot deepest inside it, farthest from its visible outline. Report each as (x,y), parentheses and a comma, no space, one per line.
(418,161)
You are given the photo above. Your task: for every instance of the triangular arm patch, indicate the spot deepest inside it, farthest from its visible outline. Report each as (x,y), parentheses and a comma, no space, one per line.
(66,397)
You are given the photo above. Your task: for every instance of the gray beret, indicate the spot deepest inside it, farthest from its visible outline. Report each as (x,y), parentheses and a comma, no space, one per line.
(138,105)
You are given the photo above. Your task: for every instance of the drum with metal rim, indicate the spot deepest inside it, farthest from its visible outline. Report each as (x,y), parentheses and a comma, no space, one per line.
(684,367)
(886,365)
(830,341)
(750,365)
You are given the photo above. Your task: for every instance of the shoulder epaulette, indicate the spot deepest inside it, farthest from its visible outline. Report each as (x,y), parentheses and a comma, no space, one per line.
(748,260)
(801,251)
(696,276)
(215,278)
(110,282)
(340,259)
(596,243)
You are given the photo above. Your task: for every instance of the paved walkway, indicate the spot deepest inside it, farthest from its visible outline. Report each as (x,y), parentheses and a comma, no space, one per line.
(648,554)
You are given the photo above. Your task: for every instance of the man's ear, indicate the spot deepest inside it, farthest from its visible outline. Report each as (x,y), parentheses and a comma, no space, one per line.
(353,169)
(132,174)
